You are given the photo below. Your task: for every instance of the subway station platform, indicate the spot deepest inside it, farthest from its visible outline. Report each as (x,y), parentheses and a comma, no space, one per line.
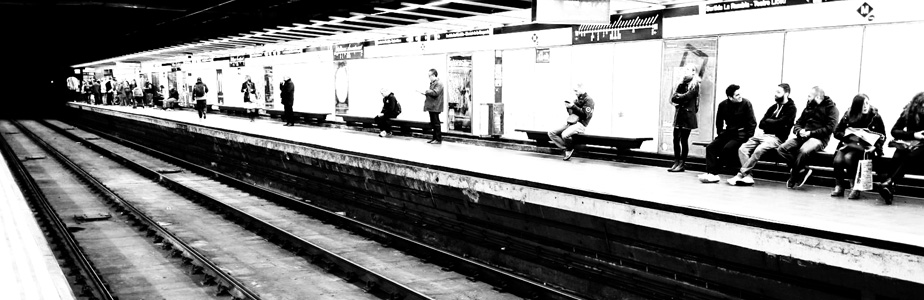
(806,225)
(28,268)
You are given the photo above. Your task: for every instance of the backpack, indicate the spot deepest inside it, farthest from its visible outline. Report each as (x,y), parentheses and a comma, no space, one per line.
(199,90)
(397,107)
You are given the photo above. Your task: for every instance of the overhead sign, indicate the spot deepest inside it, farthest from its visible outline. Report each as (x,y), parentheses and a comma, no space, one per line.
(236,61)
(571,11)
(436,37)
(348,51)
(623,27)
(751,4)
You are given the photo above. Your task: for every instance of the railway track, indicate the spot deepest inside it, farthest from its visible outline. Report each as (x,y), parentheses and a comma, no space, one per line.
(332,242)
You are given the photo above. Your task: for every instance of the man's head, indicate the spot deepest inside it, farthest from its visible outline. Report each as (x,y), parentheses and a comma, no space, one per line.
(732,92)
(199,80)
(286,78)
(433,74)
(384,91)
(578,89)
(782,92)
(247,77)
(817,94)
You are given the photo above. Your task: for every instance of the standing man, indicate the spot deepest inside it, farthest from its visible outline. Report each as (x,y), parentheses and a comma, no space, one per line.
(199,92)
(287,91)
(97,92)
(734,123)
(433,104)
(108,89)
(776,124)
(250,93)
(580,111)
(813,131)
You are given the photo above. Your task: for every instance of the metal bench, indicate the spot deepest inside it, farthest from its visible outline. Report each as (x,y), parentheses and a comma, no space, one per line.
(406,126)
(621,143)
(298,115)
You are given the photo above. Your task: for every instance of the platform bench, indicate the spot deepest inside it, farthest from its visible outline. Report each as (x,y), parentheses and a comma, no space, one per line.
(621,143)
(404,125)
(307,116)
(232,110)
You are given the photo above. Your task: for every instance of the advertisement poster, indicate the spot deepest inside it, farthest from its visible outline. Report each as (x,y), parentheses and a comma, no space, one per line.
(341,88)
(678,56)
(458,92)
(221,94)
(268,86)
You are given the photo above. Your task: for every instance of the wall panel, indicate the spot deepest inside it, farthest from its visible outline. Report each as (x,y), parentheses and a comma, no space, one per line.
(635,89)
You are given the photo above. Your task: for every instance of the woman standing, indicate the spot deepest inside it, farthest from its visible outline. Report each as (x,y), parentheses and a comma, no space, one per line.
(686,102)
(908,132)
(861,116)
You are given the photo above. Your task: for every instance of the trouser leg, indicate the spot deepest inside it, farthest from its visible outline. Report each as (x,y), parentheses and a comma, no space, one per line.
(435,123)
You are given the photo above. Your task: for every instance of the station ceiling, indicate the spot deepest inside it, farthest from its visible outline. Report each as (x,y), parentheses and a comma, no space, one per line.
(88,31)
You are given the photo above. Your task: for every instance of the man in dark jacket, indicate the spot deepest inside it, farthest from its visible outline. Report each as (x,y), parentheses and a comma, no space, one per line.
(734,123)
(390,110)
(776,124)
(288,98)
(813,131)
(582,110)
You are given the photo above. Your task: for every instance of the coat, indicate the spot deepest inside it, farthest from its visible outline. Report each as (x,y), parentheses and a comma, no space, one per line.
(686,98)
(390,106)
(248,88)
(819,119)
(871,121)
(735,120)
(434,97)
(287,92)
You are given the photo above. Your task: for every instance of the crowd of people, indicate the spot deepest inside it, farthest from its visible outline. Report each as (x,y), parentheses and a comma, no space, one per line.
(110,91)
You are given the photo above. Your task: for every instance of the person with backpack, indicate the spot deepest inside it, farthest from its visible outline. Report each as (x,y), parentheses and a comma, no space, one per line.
(390,110)
(199,92)
(137,96)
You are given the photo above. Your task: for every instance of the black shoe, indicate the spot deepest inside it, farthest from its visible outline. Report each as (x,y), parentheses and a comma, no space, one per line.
(887,191)
(437,142)
(854,195)
(431,141)
(674,166)
(791,182)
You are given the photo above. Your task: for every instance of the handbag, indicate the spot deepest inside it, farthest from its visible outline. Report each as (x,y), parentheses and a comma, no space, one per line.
(905,145)
(573,119)
(864,178)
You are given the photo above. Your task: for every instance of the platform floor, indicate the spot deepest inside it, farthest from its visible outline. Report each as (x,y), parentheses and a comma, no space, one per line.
(28,269)
(809,207)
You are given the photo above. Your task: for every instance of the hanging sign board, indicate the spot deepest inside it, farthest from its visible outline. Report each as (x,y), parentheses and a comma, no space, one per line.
(348,51)
(623,27)
(236,61)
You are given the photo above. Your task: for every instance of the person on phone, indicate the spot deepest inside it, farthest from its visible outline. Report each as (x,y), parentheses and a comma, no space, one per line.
(580,111)
(735,124)
(860,116)
(813,131)
(433,104)
(909,133)
(686,103)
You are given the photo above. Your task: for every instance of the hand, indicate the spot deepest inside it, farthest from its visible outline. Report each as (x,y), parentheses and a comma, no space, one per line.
(919,135)
(803,133)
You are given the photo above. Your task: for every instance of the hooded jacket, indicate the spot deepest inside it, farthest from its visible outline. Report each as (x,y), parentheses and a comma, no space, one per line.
(819,119)
(779,123)
(390,106)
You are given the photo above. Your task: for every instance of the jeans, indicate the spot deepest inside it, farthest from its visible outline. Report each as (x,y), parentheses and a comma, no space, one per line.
(721,152)
(384,122)
(561,137)
(435,123)
(796,151)
(200,108)
(749,153)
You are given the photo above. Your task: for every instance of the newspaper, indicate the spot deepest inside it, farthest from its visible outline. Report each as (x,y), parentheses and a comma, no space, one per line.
(865,135)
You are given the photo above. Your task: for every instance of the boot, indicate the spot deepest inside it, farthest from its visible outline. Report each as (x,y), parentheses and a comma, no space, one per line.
(887,191)
(674,166)
(838,190)
(679,168)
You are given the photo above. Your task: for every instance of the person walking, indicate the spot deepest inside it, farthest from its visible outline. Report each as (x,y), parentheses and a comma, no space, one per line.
(287,93)
(199,92)
(686,103)
(433,104)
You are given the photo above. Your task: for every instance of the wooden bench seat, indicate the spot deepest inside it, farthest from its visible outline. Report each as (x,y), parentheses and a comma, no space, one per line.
(621,143)
(405,126)
(307,116)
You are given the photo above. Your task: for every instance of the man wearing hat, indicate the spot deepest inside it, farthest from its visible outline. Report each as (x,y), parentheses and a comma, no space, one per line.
(199,92)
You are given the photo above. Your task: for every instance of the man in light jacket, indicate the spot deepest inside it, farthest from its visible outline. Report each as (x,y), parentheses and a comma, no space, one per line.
(433,104)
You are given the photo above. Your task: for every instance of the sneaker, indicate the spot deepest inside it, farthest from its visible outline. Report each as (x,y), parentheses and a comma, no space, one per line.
(382,134)
(791,182)
(735,180)
(568,154)
(747,180)
(805,177)
(709,178)
(854,195)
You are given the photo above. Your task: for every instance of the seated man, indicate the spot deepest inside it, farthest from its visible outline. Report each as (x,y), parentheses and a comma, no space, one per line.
(579,114)
(776,124)
(734,123)
(390,110)
(172,99)
(813,131)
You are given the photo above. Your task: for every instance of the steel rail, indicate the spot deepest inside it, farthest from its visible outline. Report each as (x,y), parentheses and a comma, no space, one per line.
(500,279)
(332,262)
(226,284)
(94,287)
